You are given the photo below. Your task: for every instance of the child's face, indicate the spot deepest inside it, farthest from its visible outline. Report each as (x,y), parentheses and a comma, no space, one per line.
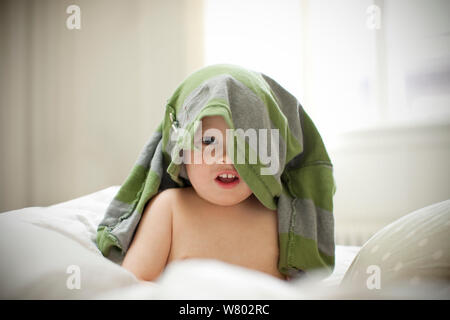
(205,178)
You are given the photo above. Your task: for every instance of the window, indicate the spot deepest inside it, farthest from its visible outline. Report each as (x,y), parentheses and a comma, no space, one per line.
(259,35)
(348,72)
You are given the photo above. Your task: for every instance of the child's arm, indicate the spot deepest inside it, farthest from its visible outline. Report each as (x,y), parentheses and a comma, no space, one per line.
(148,253)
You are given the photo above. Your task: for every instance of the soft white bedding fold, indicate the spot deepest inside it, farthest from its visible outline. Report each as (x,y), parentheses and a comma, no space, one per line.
(38,244)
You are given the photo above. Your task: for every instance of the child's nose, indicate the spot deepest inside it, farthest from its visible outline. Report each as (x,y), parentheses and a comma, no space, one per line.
(224,158)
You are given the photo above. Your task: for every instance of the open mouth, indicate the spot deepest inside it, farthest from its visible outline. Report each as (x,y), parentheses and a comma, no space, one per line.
(227,179)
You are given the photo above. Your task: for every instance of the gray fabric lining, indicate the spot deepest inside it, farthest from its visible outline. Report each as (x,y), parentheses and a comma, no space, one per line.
(286,99)
(122,230)
(117,209)
(149,149)
(157,161)
(310,221)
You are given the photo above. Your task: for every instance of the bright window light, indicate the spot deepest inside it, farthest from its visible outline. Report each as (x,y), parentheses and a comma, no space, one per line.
(352,64)
(262,35)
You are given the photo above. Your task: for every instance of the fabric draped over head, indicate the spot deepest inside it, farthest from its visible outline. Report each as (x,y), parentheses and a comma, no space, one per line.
(301,190)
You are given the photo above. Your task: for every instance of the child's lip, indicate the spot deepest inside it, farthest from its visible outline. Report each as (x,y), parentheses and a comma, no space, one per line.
(228,185)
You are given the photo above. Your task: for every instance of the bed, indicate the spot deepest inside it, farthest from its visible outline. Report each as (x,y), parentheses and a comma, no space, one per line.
(50,253)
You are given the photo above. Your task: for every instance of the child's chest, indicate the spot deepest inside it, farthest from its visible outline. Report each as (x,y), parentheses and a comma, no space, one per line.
(249,239)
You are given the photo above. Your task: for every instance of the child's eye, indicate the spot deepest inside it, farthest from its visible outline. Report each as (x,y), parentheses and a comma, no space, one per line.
(208,140)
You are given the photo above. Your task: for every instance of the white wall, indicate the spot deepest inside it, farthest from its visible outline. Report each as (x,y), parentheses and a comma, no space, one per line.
(76,106)
(385,173)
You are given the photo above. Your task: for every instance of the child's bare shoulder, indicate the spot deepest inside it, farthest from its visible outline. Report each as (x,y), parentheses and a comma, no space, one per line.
(173,196)
(161,202)
(174,193)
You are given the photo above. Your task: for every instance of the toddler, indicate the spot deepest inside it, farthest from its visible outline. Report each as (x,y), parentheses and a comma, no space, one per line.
(237,172)
(217,218)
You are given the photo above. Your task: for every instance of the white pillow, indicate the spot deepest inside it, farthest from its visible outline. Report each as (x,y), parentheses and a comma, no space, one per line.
(410,257)
(43,251)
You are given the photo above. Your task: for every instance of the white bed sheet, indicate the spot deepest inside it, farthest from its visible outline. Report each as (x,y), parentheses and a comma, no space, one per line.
(39,244)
